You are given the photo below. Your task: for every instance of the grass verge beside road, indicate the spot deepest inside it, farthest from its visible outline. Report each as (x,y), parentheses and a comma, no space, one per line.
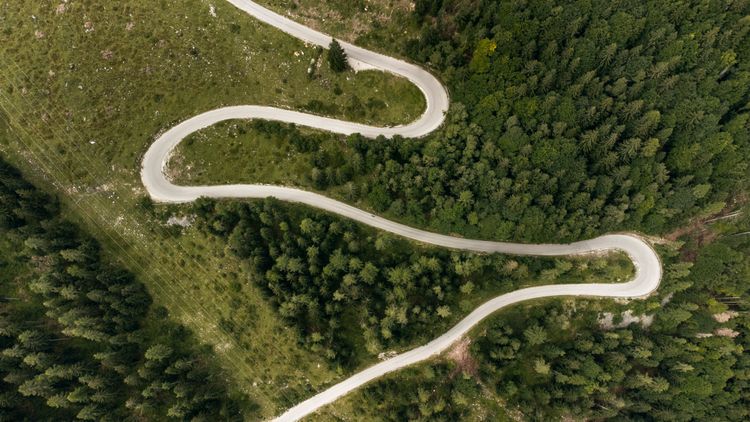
(381,25)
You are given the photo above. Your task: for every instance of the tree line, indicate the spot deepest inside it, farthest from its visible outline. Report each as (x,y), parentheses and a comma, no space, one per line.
(354,292)
(555,361)
(571,119)
(80,337)
(568,120)
(690,364)
(576,118)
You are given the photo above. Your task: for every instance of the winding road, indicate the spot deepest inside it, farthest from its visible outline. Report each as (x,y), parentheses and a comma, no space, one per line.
(648,269)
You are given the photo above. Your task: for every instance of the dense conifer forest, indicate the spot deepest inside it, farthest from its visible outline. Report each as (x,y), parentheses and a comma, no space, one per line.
(80,338)
(555,360)
(569,119)
(572,119)
(354,292)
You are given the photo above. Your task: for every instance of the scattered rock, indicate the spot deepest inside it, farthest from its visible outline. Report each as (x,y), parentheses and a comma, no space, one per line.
(386,355)
(725,316)
(182,221)
(606,320)
(38,34)
(107,54)
(726,332)
(223,347)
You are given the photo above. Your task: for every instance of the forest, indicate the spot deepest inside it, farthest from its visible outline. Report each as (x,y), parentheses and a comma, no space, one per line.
(572,119)
(354,292)
(569,119)
(555,361)
(80,338)
(691,364)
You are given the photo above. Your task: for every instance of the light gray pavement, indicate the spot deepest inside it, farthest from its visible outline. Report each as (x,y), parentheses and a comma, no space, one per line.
(647,264)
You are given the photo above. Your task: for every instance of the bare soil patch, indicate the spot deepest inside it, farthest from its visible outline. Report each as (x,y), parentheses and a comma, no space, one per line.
(461,355)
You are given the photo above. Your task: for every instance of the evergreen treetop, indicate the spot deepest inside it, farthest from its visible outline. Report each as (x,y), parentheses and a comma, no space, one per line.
(337,57)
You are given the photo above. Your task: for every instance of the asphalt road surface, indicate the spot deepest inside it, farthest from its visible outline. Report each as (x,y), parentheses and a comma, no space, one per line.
(648,267)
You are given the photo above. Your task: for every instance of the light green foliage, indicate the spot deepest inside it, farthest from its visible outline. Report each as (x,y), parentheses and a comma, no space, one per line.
(480,59)
(667,371)
(352,292)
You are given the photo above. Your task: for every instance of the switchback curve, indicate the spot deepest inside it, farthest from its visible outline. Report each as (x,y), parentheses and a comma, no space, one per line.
(648,269)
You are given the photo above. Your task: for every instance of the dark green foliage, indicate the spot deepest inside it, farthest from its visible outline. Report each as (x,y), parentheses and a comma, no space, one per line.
(552,361)
(351,292)
(337,57)
(309,143)
(77,339)
(689,365)
(573,119)
(20,203)
(423,8)
(434,393)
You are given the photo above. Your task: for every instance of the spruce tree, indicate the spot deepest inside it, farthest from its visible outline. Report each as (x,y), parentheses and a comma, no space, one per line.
(337,57)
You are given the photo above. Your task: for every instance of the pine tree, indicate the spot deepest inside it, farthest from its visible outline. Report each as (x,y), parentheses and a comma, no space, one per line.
(337,57)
